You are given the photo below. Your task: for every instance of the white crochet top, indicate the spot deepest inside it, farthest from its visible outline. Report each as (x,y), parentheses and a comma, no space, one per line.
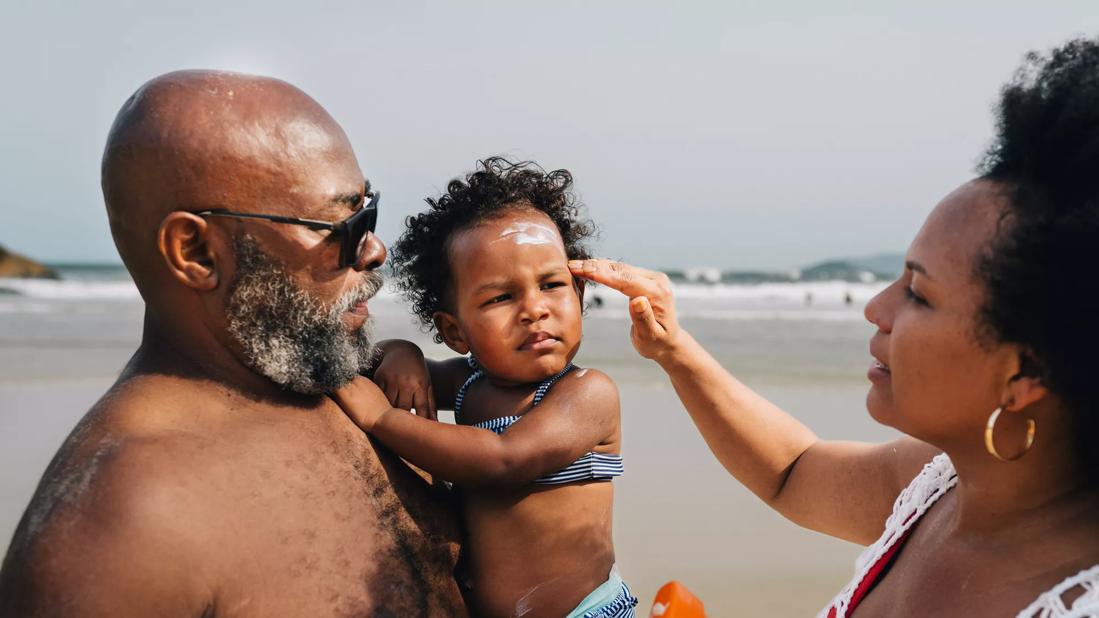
(937,478)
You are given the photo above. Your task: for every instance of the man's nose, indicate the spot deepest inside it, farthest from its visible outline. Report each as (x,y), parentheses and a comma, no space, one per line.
(372,255)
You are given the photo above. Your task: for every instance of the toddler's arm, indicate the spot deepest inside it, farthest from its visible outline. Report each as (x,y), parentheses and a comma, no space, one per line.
(403,375)
(411,381)
(580,413)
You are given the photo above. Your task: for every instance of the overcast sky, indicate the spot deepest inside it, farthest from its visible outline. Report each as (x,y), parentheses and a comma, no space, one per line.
(744,135)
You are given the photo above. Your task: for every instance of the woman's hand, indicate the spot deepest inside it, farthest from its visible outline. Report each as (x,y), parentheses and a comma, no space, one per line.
(403,376)
(655,332)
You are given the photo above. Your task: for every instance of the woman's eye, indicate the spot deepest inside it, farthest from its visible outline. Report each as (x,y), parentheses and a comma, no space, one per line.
(910,294)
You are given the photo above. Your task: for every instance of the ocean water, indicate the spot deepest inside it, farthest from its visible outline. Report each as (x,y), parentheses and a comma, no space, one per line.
(678,514)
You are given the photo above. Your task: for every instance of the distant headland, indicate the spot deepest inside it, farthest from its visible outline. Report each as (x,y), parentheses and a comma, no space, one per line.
(15,265)
(867,269)
(881,267)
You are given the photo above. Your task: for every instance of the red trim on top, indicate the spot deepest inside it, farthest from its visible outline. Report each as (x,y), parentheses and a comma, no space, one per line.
(874,575)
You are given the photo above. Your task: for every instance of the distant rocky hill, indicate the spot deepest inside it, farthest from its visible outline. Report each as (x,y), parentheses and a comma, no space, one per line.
(891,265)
(865,270)
(882,267)
(15,265)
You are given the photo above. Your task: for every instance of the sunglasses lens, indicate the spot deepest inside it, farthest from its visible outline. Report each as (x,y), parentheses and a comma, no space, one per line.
(359,227)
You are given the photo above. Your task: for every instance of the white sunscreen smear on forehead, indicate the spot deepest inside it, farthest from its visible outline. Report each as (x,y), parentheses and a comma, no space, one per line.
(524,233)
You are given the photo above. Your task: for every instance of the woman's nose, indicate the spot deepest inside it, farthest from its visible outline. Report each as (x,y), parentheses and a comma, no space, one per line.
(373,253)
(878,311)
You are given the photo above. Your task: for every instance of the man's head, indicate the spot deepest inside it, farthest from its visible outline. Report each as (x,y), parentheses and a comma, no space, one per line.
(273,295)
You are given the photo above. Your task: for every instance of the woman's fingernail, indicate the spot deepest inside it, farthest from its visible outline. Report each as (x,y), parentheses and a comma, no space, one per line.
(576,264)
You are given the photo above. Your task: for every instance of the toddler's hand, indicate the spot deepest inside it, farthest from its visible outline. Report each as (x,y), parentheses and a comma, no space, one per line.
(404,377)
(362,401)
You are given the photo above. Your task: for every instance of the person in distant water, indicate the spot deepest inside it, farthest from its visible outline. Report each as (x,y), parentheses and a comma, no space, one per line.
(984,355)
(538,439)
(215,478)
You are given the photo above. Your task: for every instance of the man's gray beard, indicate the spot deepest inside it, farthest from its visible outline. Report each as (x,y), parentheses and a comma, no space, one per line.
(290,337)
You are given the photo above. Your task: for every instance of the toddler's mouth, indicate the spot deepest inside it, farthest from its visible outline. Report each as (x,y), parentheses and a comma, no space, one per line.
(539,341)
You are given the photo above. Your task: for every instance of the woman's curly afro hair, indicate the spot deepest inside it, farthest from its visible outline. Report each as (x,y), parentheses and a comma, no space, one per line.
(420,258)
(1039,271)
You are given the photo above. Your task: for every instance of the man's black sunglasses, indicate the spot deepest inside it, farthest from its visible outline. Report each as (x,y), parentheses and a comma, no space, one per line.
(352,231)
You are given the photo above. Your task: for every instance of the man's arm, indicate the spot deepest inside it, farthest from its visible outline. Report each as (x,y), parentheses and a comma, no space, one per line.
(120,544)
(580,412)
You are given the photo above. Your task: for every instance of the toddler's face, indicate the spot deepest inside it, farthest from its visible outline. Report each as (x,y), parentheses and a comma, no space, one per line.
(516,305)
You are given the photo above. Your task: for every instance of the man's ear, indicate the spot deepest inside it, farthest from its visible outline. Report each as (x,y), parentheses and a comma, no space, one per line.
(183,240)
(1026,385)
(447,327)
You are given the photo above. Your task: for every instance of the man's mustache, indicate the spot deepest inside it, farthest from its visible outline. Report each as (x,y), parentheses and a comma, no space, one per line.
(371,284)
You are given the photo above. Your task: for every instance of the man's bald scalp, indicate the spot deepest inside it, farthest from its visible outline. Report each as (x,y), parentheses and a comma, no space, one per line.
(198,139)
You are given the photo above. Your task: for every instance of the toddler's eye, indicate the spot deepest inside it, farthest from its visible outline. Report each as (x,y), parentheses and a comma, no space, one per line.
(498,299)
(552,284)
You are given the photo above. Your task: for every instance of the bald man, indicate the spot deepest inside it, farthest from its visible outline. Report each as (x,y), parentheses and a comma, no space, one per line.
(215,478)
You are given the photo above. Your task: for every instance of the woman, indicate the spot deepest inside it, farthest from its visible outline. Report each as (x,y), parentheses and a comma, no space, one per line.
(984,356)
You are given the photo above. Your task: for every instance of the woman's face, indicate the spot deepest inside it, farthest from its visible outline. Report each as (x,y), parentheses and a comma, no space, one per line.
(931,378)
(516,305)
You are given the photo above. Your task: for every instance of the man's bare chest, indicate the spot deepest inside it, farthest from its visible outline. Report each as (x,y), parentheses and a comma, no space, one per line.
(339,530)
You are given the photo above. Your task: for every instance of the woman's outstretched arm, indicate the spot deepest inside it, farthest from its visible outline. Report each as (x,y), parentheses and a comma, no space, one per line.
(844,489)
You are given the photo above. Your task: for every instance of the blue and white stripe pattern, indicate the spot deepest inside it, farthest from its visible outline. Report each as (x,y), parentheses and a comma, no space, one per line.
(621,607)
(590,466)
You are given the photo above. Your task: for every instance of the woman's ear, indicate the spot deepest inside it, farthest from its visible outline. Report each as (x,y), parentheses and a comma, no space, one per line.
(1026,386)
(447,327)
(183,240)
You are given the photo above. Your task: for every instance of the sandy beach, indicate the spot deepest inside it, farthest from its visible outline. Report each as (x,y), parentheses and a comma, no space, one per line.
(678,515)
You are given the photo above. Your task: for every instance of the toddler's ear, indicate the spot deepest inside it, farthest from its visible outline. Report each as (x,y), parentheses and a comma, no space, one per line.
(581,285)
(448,329)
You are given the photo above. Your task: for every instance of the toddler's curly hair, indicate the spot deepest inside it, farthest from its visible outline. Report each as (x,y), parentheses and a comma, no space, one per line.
(420,258)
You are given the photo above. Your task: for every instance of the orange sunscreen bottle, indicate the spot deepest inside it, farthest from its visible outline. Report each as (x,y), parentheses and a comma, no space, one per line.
(673,600)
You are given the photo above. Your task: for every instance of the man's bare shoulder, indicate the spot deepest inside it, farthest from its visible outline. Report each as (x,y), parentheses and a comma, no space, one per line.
(123,450)
(107,530)
(241,501)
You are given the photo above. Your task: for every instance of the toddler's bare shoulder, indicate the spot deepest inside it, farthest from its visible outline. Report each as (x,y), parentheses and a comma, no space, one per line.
(592,384)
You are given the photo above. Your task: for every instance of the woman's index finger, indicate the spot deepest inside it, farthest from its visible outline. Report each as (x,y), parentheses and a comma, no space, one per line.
(617,275)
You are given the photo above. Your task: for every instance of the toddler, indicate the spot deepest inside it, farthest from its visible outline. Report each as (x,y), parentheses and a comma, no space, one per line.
(537,438)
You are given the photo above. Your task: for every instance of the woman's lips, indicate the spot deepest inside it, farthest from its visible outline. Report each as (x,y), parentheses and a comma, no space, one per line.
(879,372)
(539,341)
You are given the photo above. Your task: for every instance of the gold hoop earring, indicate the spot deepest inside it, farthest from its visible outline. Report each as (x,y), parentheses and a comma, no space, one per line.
(990,428)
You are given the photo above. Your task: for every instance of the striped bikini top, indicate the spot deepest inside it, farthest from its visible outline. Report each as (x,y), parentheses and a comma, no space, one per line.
(590,466)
